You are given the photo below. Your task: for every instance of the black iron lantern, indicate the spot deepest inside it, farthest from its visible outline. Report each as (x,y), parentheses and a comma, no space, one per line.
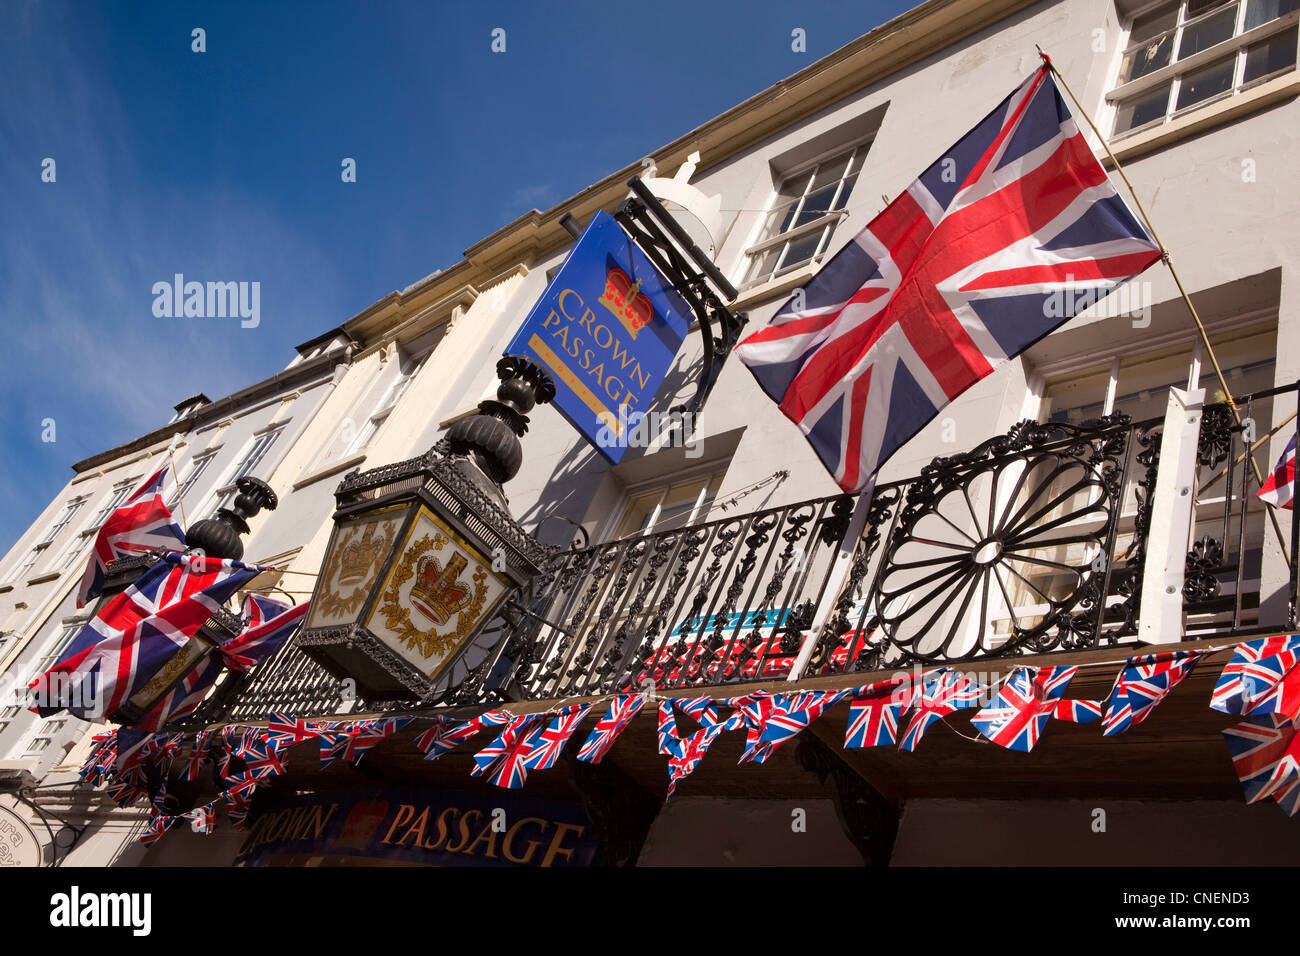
(424,552)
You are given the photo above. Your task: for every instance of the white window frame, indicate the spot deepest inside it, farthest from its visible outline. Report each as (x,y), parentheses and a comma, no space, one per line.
(1174,72)
(665,483)
(118,494)
(248,464)
(57,647)
(857,152)
(198,465)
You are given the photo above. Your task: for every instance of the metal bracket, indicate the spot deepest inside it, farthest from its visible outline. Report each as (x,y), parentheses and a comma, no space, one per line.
(692,274)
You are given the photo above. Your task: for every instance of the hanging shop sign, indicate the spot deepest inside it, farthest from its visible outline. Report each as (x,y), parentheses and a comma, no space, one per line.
(419,827)
(606,329)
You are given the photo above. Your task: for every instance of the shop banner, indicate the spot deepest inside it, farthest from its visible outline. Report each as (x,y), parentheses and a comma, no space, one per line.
(418,827)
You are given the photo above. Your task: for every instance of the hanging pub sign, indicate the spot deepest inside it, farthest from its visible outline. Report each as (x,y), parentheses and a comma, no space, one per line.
(606,329)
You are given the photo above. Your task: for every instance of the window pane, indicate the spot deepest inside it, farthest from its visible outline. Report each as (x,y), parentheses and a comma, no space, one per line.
(829,173)
(817,204)
(843,199)
(764,264)
(1271,56)
(1147,58)
(1262,11)
(1205,33)
(1147,27)
(802,249)
(1196,7)
(1142,109)
(1201,85)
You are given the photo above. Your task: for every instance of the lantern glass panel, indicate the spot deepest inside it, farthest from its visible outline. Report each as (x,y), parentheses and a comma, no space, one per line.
(358,551)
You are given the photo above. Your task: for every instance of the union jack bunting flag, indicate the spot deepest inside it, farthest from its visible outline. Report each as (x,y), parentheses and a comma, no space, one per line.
(202,819)
(102,758)
(136,633)
(1003,239)
(1288,796)
(1079,711)
(1016,719)
(691,752)
(139,524)
(440,740)
(942,692)
(1266,755)
(607,729)
(158,824)
(185,697)
(547,745)
(669,740)
(788,715)
(1261,678)
(268,624)
(285,731)
(874,713)
(1278,488)
(699,709)
(1141,685)
(262,759)
(200,754)
(503,760)
(239,799)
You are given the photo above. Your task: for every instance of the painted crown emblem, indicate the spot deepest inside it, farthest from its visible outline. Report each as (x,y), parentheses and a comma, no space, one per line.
(436,593)
(358,556)
(625,299)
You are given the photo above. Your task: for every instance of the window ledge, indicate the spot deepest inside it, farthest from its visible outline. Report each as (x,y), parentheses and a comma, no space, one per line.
(42,578)
(6,588)
(1206,118)
(341,465)
(772,288)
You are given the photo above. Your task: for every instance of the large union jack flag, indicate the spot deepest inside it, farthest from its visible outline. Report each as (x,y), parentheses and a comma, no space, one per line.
(1266,755)
(135,633)
(140,524)
(1003,239)
(1141,685)
(1261,678)
(1279,487)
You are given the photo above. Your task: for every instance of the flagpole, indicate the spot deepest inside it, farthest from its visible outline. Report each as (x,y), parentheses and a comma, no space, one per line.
(1164,255)
(180,498)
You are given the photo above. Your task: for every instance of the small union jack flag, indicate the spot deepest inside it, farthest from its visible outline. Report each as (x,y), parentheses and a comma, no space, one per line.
(942,692)
(263,759)
(874,713)
(285,731)
(239,798)
(268,624)
(503,760)
(1266,755)
(1141,685)
(547,745)
(439,739)
(691,752)
(669,740)
(1261,678)
(202,819)
(199,754)
(1279,487)
(158,824)
(139,525)
(608,728)
(700,709)
(1016,719)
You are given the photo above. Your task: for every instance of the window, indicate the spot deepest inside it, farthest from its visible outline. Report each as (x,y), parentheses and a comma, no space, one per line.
(387,402)
(252,459)
(45,734)
(69,511)
(57,648)
(807,207)
(21,572)
(1186,54)
(197,467)
(669,506)
(115,498)
(7,714)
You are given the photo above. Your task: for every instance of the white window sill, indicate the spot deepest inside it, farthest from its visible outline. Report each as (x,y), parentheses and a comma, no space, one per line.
(332,469)
(773,288)
(42,578)
(1206,118)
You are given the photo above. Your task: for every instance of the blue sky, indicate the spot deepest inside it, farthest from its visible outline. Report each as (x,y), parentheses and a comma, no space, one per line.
(225,165)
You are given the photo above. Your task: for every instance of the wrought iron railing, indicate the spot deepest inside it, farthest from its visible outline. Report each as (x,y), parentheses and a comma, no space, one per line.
(1031,543)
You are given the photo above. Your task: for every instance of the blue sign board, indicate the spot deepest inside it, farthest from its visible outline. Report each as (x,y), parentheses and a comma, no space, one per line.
(606,329)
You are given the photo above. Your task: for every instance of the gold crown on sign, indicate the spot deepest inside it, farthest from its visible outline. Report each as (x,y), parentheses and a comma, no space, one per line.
(625,299)
(436,593)
(358,556)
